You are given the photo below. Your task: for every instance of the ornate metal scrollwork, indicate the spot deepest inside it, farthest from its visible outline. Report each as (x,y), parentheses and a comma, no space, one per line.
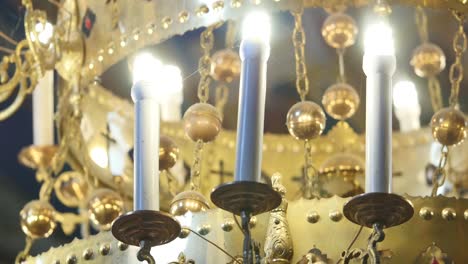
(370,255)
(278,245)
(315,256)
(434,255)
(181,259)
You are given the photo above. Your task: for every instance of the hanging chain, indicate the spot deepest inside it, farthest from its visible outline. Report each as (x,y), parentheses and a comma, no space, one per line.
(456,70)
(299,40)
(230,34)
(310,174)
(440,171)
(196,166)
(222,93)
(421,23)
(204,64)
(22,255)
(435,94)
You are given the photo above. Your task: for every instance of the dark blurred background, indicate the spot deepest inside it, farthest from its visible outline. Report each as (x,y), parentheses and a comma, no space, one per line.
(18,184)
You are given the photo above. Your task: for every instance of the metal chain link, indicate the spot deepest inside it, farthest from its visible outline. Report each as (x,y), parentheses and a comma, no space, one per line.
(341,66)
(440,171)
(421,23)
(196,166)
(299,40)
(435,93)
(231,34)
(204,64)
(456,69)
(222,93)
(310,174)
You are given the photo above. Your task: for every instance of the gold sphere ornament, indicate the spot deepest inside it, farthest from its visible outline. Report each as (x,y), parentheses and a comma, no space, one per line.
(38,219)
(340,101)
(339,30)
(168,153)
(104,207)
(449,126)
(202,121)
(428,60)
(188,201)
(305,120)
(225,65)
(71,188)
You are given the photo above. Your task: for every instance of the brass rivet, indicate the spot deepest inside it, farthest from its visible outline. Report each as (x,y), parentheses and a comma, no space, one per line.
(166,22)
(227,225)
(202,10)
(253,222)
(123,42)
(88,254)
(184,232)
(136,34)
(91,66)
(150,28)
(218,5)
(236,3)
(335,215)
(313,217)
(449,214)
(466,214)
(426,213)
(204,230)
(122,246)
(104,249)
(56,261)
(72,259)
(184,16)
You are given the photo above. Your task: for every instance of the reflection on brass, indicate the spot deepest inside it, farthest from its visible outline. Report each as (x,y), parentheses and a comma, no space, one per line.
(204,230)
(181,259)
(168,153)
(225,65)
(72,259)
(88,254)
(104,250)
(315,256)
(341,101)
(104,207)
(449,126)
(36,157)
(227,225)
(426,213)
(305,120)
(278,245)
(202,121)
(449,214)
(38,219)
(428,60)
(339,30)
(122,246)
(313,217)
(335,215)
(71,188)
(184,232)
(188,201)
(253,222)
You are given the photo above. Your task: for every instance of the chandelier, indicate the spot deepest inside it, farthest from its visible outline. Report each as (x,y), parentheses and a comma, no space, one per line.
(152,185)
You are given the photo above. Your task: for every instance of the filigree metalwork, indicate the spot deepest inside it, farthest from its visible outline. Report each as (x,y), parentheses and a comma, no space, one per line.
(278,245)
(181,259)
(315,255)
(434,255)
(370,255)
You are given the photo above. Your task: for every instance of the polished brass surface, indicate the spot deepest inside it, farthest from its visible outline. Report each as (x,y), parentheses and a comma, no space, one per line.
(168,153)
(38,219)
(449,126)
(188,201)
(71,188)
(339,30)
(340,101)
(153,227)
(252,197)
(202,121)
(428,60)
(305,120)
(386,209)
(36,157)
(104,206)
(225,65)
(278,245)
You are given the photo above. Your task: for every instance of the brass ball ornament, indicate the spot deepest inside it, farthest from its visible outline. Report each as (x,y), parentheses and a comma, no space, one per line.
(188,201)
(339,30)
(225,65)
(305,120)
(71,188)
(168,153)
(203,122)
(38,219)
(341,101)
(104,207)
(449,126)
(428,60)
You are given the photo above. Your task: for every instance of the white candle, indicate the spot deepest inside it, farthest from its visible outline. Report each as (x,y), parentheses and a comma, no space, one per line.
(43,110)
(146,148)
(407,108)
(254,53)
(379,64)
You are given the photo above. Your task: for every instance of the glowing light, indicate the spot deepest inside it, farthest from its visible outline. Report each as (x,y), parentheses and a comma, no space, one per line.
(99,156)
(45,31)
(171,79)
(146,68)
(257,27)
(405,95)
(379,40)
